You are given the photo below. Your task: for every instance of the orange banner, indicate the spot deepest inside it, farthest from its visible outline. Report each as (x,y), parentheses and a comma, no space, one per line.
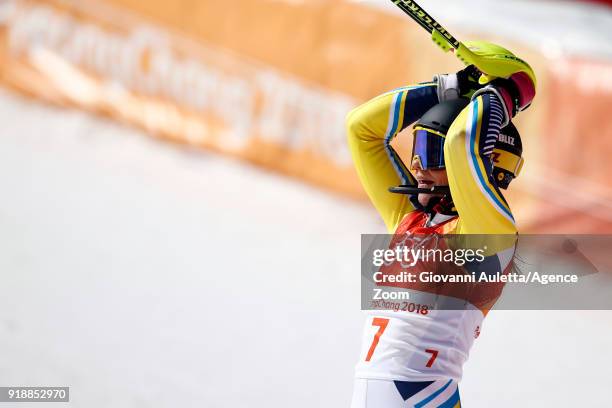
(102,59)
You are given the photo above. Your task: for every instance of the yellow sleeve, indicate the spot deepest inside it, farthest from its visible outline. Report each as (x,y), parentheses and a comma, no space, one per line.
(481,206)
(371,127)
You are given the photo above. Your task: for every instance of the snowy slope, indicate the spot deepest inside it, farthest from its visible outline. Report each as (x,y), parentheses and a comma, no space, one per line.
(143,274)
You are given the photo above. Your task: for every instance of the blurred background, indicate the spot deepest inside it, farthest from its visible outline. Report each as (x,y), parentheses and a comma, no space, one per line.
(180,221)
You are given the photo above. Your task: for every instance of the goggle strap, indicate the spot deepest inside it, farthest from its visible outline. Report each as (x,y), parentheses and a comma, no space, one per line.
(435,132)
(519,166)
(509,162)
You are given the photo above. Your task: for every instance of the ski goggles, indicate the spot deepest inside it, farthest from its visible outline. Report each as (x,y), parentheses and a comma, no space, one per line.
(427,149)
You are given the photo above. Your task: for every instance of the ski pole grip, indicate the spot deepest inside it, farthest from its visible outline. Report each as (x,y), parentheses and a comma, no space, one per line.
(467,56)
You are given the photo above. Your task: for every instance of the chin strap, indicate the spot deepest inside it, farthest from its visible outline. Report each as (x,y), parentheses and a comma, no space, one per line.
(442,204)
(407,189)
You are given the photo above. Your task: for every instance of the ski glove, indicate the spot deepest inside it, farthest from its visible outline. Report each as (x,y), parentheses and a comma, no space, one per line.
(515,93)
(462,84)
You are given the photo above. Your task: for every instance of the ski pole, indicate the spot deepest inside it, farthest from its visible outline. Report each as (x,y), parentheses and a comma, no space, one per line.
(491,64)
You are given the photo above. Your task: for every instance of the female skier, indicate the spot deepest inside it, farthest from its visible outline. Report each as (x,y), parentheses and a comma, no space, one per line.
(458,165)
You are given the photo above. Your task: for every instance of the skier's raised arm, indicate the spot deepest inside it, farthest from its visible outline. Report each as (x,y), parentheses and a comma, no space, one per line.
(371,127)
(468,152)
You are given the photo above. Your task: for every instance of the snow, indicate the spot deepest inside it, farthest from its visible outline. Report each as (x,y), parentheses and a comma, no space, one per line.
(142,274)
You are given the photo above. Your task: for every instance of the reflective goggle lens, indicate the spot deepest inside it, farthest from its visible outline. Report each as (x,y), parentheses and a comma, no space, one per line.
(427,150)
